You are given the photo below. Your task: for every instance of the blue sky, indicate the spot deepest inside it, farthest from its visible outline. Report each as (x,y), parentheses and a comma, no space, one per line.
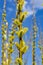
(11,12)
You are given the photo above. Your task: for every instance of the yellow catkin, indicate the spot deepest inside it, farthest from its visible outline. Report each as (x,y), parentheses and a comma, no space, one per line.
(4,34)
(11,43)
(20,16)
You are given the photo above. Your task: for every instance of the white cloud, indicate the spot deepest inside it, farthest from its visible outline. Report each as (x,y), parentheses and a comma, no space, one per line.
(27,8)
(37,4)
